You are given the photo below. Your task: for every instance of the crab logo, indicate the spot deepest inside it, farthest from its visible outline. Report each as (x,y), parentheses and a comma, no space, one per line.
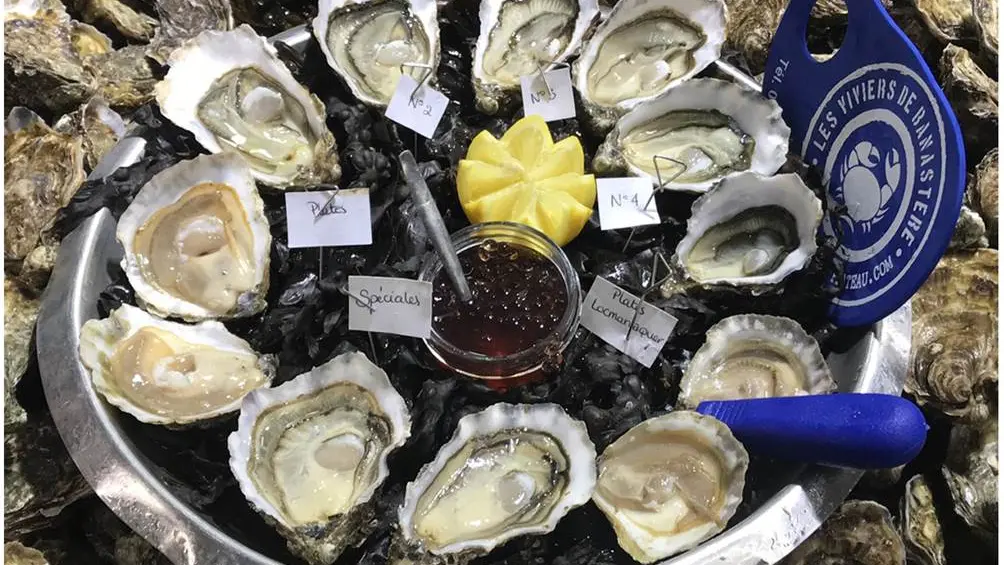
(865,196)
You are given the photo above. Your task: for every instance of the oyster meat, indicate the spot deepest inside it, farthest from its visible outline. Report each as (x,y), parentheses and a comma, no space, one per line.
(755,356)
(670,483)
(983,193)
(169,373)
(644,48)
(371,43)
(234,94)
(509,470)
(973,96)
(520,38)
(922,536)
(971,470)
(750,230)
(311,453)
(950,371)
(197,242)
(859,532)
(697,133)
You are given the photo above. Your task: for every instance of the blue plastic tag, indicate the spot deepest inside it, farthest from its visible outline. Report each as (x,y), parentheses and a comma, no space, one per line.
(876,125)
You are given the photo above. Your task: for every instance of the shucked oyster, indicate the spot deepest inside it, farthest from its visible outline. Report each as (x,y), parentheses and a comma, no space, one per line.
(716,128)
(643,49)
(670,483)
(522,37)
(369,43)
(750,230)
(859,532)
(754,356)
(197,242)
(311,453)
(169,373)
(509,470)
(232,91)
(922,536)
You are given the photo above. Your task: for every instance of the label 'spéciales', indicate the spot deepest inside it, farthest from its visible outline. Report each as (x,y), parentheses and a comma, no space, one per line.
(390,305)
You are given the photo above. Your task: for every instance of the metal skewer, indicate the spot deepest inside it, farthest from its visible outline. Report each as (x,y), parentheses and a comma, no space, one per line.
(660,186)
(656,259)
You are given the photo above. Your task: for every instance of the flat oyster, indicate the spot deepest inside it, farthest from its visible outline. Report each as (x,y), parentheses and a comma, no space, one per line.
(232,91)
(859,532)
(922,535)
(169,373)
(509,470)
(520,38)
(755,356)
(368,42)
(182,20)
(971,469)
(973,96)
(717,128)
(197,242)
(644,48)
(670,483)
(950,371)
(983,192)
(42,171)
(99,127)
(310,454)
(750,230)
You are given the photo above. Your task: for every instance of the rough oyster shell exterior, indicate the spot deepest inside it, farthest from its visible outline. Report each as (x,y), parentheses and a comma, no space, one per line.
(859,532)
(181,20)
(973,96)
(970,231)
(986,14)
(971,469)
(97,124)
(921,528)
(983,193)
(948,20)
(751,28)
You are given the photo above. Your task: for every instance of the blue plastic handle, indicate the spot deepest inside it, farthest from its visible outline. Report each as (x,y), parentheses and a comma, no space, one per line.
(861,431)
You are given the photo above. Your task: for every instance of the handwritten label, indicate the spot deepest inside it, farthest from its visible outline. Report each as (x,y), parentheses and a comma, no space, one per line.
(621,200)
(419,113)
(551,100)
(390,305)
(329,218)
(607,311)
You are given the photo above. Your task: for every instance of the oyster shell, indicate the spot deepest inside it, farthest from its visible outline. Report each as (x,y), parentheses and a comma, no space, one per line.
(949,370)
(970,231)
(985,13)
(859,532)
(197,242)
(750,230)
(169,373)
(310,454)
(98,126)
(670,483)
(644,48)
(973,96)
(42,171)
(182,20)
(367,42)
(983,191)
(124,76)
(14,553)
(717,128)
(231,91)
(971,470)
(520,37)
(127,21)
(509,470)
(925,544)
(751,28)
(754,356)
(948,20)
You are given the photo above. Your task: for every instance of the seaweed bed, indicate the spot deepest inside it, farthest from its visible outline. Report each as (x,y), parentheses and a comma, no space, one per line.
(306,321)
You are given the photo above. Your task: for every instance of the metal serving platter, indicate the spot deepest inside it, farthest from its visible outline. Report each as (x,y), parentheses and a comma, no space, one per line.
(126,481)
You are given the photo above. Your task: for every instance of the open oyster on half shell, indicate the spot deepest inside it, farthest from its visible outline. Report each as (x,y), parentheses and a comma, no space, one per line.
(234,94)
(370,43)
(644,48)
(755,356)
(705,129)
(509,470)
(310,454)
(168,373)
(750,230)
(670,483)
(197,242)
(523,37)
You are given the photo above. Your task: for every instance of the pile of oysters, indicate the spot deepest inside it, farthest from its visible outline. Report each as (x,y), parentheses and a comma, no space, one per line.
(358,449)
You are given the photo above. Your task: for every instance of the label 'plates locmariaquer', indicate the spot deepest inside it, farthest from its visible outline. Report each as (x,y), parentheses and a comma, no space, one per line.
(876,125)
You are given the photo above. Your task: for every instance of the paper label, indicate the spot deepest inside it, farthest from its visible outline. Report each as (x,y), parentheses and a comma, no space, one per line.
(607,311)
(420,113)
(329,218)
(620,203)
(551,100)
(390,305)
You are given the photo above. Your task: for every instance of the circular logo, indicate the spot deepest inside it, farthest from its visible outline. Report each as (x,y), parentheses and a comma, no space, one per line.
(879,140)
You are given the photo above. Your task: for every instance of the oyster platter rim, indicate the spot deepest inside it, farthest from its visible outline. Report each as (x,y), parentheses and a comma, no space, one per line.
(121,477)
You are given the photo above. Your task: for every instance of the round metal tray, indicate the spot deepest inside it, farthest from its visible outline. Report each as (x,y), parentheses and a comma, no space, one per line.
(123,478)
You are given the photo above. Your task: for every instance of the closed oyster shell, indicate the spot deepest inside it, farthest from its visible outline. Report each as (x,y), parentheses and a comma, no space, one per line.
(182,20)
(98,126)
(124,77)
(14,553)
(986,13)
(127,21)
(859,532)
(970,231)
(921,528)
(751,28)
(973,96)
(950,371)
(971,470)
(983,193)
(948,20)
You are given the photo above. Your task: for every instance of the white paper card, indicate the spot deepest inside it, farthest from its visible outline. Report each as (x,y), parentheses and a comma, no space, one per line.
(620,202)
(554,103)
(390,305)
(420,113)
(607,311)
(315,219)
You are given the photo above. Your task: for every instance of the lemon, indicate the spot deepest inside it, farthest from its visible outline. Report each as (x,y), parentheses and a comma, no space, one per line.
(526,177)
